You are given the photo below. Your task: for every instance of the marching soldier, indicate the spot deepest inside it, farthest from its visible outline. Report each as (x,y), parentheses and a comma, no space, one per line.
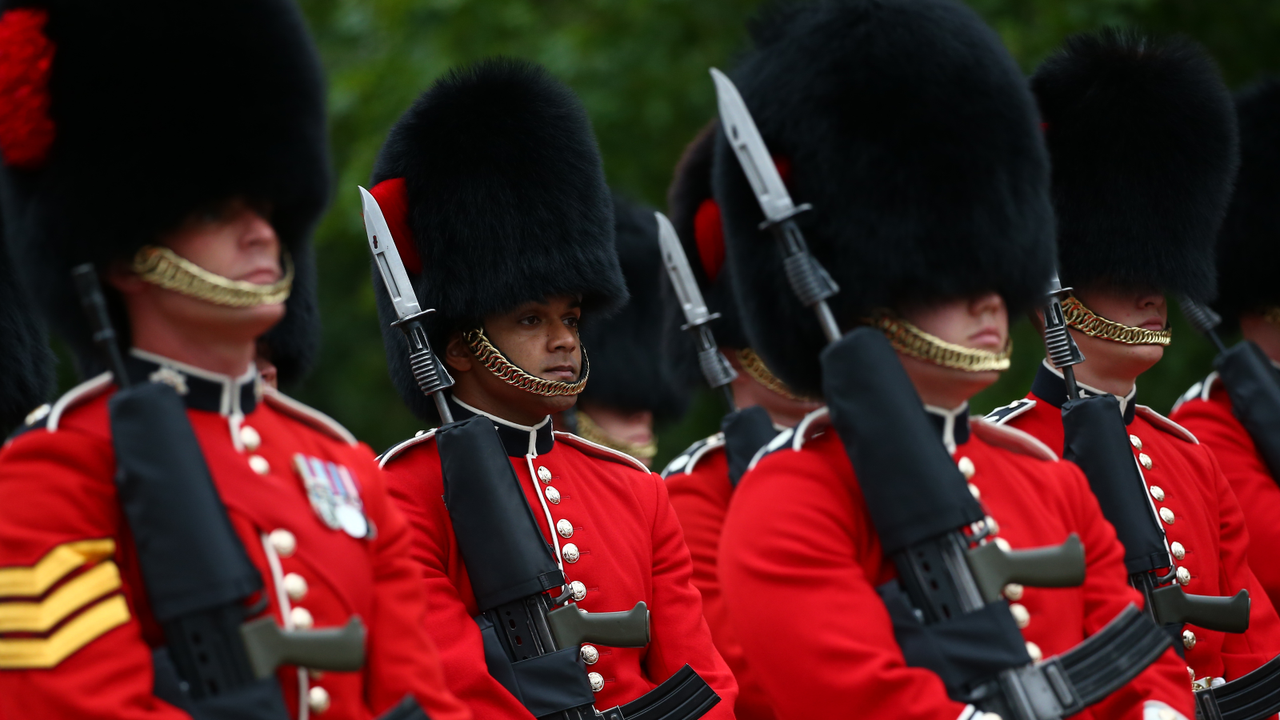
(1143,140)
(493,189)
(631,388)
(1249,297)
(188,542)
(910,131)
(702,478)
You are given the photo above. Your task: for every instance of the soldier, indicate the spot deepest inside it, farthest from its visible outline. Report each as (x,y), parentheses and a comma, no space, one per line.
(702,478)
(911,132)
(494,191)
(206,120)
(1143,141)
(1249,298)
(630,386)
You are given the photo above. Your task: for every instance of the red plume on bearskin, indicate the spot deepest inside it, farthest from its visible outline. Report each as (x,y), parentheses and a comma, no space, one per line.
(26,56)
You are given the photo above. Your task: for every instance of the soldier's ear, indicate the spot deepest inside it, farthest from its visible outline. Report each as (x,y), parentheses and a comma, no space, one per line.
(457,355)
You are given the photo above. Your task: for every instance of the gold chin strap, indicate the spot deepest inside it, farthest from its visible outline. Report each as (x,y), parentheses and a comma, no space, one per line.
(1082,318)
(911,340)
(758,371)
(589,430)
(507,371)
(165,268)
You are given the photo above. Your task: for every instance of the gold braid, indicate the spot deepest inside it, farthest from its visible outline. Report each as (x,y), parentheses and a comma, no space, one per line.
(1083,319)
(589,430)
(169,270)
(911,340)
(758,371)
(508,372)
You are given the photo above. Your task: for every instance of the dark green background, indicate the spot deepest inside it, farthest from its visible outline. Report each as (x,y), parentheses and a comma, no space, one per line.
(641,68)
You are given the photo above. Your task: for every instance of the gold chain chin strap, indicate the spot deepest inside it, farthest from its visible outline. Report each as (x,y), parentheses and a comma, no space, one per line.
(1082,318)
(758,371)
(911,340)
(589,430)
(507,371)
(169,270)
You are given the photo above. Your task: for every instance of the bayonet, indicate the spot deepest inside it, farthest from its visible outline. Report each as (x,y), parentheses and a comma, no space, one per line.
(430,375)
(808,279)
(715,367)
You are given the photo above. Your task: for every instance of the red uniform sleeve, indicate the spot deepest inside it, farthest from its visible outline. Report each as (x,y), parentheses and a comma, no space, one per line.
(1106,594)
(415,486)
(82,656)
(401,657)
(792,568)
(678,632)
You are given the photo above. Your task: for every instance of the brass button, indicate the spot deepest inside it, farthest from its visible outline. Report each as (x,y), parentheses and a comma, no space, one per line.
(1166,515)
(1157,492)
(1188,639)
(1184,576)
(975,492)
(1034,651)
(249,438)
(597,681)
(565,528)
(590,655)
(578,589)
(301,618)
(1003,544)
(544,474)
(966,467)
(283,542)
(993,525)
(1178,551)
(318,699)
(569,552)
(553,495)
(1013,591)
(259,464)
(1021,615)
(1145,459)
(1135,441)
(295,586)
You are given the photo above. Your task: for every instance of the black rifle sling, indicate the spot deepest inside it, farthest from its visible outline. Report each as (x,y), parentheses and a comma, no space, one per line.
(196,571)
(1254,388)
(745,432)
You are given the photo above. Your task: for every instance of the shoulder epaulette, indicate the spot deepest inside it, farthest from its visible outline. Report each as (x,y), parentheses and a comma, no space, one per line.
(308,415)
(1200,390)
(599,451)
(686,461)
(399,448)
(1002,415)
(813,425)
(1166,424)
(1011,439)
(73,398)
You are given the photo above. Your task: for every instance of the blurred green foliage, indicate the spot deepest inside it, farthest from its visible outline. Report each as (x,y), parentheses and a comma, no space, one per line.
(641,68)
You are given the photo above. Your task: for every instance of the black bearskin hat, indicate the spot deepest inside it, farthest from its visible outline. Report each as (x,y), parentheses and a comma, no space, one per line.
(627,368)
(1142,136)
(493,187)
(912,133)
(26,365)
(1249,243)
(155,111)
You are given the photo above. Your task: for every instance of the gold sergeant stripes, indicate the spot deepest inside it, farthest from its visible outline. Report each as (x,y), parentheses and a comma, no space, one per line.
(91,589)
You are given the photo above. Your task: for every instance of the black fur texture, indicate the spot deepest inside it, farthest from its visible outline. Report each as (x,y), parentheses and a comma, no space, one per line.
(627,368)
(1249,242)
(26,365)
(162,109)
(507,204)
(912,133)
(1142,136)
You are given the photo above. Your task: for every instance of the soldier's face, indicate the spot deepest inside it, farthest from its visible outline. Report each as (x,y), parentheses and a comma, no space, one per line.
(1135,308)
(981,323)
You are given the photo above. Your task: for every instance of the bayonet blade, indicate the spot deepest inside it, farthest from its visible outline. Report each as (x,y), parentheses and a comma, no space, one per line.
(744,137)
(686,287)
(387,258)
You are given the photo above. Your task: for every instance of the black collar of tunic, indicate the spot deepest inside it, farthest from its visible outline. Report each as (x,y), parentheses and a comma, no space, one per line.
(952,425)
(516,438)
(199,389)
(1049,386)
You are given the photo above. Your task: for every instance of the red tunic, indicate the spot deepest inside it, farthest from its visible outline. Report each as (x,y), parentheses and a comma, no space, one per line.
(698,482)
(1204,525)
(629,548)
(65,544)
(1206,412)
(801,561)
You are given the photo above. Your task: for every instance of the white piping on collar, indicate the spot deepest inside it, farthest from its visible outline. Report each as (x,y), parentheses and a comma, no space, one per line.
(949,422)
(531,429)
(1124,400)
(230,402)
